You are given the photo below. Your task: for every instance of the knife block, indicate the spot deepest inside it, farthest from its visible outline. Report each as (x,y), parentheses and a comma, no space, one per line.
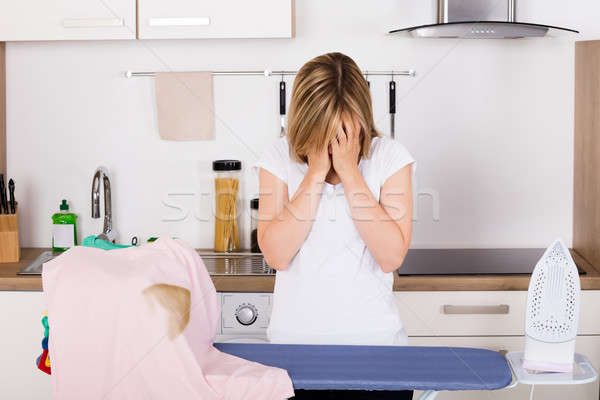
(10,252)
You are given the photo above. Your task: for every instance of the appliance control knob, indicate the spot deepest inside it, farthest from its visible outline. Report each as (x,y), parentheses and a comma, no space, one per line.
(246,314)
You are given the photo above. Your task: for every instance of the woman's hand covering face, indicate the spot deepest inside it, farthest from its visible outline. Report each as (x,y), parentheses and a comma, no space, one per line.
(345,147)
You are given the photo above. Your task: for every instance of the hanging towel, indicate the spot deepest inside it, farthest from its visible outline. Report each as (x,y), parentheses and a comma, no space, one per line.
(112,338)
(185,106)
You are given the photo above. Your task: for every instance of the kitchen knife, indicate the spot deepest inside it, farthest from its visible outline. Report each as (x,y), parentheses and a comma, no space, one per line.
(3,200)
(282,107)
(392,108)
(11,191)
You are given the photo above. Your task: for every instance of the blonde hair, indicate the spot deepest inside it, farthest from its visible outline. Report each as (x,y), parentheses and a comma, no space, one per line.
(325,88)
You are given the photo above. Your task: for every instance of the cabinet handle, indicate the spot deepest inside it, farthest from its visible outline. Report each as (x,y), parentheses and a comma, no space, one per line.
(182,21)
(92,22)
(454,310)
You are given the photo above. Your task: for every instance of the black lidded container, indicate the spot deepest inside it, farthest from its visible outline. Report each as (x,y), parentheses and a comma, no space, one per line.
(254,226)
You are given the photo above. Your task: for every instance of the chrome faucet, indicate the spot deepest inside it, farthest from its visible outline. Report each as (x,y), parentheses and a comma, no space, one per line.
(108,233)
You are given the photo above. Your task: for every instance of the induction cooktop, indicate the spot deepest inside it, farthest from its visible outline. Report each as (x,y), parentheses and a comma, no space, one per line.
(471,261)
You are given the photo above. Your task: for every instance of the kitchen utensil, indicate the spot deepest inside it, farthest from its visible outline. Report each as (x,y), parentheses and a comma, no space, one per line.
(3,199)
(10,251)
(552,312)
(392,107)
(282,106)
(367,79)
(11,189)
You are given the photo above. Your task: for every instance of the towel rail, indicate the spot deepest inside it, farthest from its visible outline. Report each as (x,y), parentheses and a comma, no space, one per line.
(267,72)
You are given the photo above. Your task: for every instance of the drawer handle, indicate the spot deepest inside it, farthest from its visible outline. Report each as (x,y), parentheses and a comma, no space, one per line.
(92,22)
(456,310)
(182,21)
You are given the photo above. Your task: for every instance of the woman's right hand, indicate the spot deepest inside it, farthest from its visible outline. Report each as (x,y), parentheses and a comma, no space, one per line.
(319,163)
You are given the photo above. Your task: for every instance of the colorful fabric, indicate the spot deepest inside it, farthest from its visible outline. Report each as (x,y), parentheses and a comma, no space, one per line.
(43,361)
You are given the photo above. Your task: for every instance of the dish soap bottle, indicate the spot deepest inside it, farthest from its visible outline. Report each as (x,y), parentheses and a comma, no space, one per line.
(64,232)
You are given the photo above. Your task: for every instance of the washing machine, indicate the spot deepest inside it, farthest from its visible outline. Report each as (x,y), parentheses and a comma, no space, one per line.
(244,317)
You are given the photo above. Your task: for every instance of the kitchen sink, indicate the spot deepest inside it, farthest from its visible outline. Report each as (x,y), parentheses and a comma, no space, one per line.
(216,263)
(236,264)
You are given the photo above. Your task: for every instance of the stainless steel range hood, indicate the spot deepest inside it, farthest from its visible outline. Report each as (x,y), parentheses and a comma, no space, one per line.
(479,19)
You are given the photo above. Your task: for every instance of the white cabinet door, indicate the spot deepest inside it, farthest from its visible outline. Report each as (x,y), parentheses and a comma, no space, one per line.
(587,345)
(67,19)
(185,19)
(21,334)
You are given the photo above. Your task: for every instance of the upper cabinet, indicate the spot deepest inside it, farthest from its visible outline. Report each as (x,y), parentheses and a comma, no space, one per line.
(67,19)
(196,19)
(156,19)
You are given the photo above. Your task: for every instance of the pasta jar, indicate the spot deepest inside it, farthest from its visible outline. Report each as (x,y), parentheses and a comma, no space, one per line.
(227,186)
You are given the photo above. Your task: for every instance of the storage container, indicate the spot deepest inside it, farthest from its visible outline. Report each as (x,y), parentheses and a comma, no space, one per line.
(227,185)
(254,226)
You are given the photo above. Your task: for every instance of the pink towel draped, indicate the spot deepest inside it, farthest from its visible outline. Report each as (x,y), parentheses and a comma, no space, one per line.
(108,342)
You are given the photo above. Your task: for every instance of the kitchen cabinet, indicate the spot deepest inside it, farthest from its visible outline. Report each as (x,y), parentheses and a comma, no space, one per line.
(67,20)
(21,343)
(462,313)
(184,19)
(494,320)
(465,319)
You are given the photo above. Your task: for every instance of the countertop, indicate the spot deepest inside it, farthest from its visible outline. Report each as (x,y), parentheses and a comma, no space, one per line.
(9,280)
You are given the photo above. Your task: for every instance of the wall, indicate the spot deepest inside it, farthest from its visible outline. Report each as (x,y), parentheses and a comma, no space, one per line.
(490,122)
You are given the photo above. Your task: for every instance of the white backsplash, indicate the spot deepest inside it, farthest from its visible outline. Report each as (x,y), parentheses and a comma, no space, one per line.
(490,123)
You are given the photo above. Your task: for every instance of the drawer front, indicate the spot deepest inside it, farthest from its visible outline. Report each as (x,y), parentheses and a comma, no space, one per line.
(480,313)
(588,345)
(462,313)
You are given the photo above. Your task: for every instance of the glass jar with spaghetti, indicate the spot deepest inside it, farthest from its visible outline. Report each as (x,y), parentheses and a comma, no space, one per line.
(227,186)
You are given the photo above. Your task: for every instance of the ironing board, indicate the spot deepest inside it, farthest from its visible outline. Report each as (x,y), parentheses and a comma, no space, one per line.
(341,367)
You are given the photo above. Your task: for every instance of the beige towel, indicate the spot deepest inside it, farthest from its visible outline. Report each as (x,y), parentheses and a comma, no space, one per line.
(185,107)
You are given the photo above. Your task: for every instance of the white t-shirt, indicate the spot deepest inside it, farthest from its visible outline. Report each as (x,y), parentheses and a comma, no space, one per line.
(333,291)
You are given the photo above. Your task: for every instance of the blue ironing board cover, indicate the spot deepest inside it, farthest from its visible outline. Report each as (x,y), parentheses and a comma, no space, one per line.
(380,367)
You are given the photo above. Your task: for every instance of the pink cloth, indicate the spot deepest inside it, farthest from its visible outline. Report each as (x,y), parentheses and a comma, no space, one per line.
(106,342)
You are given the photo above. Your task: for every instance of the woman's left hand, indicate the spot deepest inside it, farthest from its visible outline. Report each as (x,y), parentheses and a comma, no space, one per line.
(345,148)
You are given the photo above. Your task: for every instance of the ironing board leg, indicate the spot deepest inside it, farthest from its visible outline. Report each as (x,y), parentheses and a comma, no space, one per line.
(428,395)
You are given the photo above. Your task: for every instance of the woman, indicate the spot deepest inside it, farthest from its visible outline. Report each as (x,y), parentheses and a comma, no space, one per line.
(335,216)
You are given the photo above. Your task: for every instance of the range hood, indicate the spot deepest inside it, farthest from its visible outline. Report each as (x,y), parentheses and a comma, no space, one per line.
(479,19)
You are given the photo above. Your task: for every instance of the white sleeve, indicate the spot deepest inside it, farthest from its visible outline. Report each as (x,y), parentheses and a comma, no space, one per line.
(394,157)
(275,159)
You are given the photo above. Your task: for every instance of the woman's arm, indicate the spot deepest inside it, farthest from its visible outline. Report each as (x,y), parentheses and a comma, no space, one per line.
(385,226)
(284,224)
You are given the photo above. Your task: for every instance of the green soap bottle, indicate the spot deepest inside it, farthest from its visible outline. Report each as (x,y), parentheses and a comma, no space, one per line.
(64,231)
